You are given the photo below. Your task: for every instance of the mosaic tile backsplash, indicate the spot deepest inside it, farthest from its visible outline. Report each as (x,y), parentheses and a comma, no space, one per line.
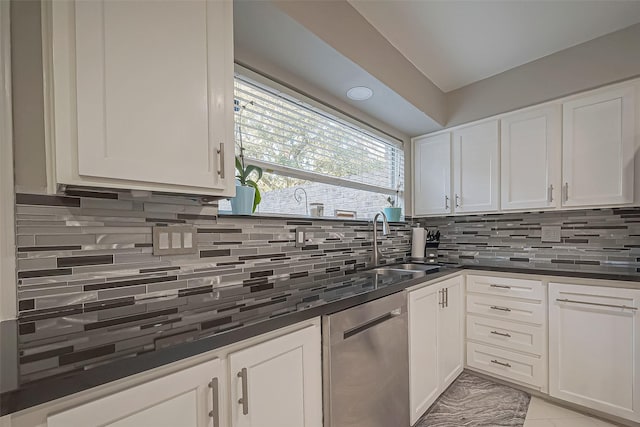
(602,240)
(90,251)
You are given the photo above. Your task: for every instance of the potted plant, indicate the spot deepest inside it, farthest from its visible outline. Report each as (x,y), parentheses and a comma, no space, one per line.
(392,211)
(247,192)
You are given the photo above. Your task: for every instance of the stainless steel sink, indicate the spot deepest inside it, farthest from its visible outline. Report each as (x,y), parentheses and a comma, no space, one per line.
(403,268)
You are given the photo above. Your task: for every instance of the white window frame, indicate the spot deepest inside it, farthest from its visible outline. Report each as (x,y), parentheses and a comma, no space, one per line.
(7,193)
(291,95)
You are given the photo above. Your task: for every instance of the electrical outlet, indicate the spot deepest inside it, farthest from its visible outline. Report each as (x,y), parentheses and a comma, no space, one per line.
(174,240)
(551,233)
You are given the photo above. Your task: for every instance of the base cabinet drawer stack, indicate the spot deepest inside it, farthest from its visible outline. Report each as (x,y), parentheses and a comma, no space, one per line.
(506,329)
(594,347)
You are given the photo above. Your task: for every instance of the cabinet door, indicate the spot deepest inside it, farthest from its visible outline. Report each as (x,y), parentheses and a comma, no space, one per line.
(153,92)
(594,348)
(598,147)
(279,382)
(530,158)
(424,386)
(476,168)
(186,399)
(432,175)
(450,333)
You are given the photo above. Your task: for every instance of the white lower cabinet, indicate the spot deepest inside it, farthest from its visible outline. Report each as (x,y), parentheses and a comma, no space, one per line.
(594,347)
(436,355)
(277,382)
(189,398)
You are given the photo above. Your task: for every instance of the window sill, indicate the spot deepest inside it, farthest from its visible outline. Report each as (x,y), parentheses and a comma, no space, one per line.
(227,214)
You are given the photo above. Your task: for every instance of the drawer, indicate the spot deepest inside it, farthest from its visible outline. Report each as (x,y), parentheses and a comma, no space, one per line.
(502,286)
(507,309)
(515,336)
(510,365)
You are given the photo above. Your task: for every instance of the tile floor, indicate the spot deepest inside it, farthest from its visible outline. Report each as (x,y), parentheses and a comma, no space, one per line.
(545,414)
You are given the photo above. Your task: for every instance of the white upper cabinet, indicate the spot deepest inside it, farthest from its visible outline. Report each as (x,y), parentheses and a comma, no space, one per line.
(432,172)
(141,94)
(598,148)
(476,168)
(530,158)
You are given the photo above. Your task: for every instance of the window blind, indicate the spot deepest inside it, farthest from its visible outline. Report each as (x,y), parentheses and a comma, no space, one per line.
(290,138)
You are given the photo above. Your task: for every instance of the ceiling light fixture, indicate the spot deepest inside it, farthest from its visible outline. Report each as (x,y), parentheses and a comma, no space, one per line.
(359,93)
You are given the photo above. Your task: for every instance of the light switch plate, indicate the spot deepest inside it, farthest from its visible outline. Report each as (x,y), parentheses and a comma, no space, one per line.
(174,240)
(551,233)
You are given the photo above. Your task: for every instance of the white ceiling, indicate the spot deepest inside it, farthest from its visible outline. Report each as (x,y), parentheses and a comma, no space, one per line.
(271,35)
(455,42)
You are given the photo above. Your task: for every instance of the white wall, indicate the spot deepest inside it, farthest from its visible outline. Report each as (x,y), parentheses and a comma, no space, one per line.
(598,62)
(7,225)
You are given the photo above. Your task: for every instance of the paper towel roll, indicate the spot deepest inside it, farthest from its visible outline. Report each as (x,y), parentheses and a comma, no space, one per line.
(418,240)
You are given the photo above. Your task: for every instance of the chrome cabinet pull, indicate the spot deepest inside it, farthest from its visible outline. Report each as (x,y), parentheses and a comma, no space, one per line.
(215,398)
(220,152)
(623,307)
(495,307)
(457,201)
(550,193)
(565,192)
(500,286)
(244,400)
(502,334)
(506,365)
(441,298)
(446,201)
(446,297)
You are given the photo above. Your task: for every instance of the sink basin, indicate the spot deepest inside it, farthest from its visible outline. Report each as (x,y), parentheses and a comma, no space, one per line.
(404,268)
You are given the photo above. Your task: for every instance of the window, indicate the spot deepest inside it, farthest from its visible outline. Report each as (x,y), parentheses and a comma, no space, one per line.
(304,150)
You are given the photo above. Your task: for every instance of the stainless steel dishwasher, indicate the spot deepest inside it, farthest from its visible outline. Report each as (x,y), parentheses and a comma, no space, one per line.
(366,365)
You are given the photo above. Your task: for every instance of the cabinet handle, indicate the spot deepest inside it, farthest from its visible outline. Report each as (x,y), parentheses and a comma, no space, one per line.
(623,307)
(441,298)
(495,307)
(446,201)
(550,193)
(502,334)
(215,397)
(457,201)
(507,365)
(565,192)
(446,297)
(244,400)
(221,160)
(500,286)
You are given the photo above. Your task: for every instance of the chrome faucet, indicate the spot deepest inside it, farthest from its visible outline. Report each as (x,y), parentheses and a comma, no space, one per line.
(375,257)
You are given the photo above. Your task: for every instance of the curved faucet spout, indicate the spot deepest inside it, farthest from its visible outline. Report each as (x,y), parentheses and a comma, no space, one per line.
(377,255)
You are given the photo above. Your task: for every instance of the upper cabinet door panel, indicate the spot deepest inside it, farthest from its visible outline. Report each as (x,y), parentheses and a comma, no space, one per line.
(150,83)
(530,148)
(599,148)
(432,175)
(476,168)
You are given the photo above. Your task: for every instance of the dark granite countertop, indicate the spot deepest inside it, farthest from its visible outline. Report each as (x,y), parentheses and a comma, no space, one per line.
(53,355)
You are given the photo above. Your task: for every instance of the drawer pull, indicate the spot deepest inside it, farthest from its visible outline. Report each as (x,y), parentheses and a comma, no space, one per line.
(500,286)
(506,365)
(502,334)
(623,307)
(495,307)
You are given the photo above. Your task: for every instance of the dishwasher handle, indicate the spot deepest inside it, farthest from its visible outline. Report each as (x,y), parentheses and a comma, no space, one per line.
(371,323)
